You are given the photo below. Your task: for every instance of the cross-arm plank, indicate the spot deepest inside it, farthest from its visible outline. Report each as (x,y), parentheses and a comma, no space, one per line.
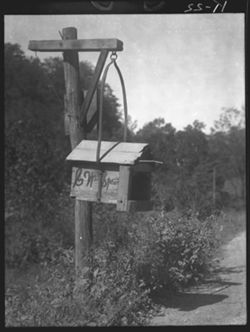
(84,45)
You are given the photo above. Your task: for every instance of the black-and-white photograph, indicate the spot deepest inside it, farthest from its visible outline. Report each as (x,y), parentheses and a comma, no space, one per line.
(125,167)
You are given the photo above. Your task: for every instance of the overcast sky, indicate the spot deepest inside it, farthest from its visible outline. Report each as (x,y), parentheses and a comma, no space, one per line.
(181,67)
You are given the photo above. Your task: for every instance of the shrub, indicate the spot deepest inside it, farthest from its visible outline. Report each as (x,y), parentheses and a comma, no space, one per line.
(180,251)
(133,256)
(107,296)
(167,251)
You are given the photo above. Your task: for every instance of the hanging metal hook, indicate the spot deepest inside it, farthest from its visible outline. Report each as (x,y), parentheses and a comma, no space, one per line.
(113,56)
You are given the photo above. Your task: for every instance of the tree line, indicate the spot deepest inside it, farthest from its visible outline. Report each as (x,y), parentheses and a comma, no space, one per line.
(195,167)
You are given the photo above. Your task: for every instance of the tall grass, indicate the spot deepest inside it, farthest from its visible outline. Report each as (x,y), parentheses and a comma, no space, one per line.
(133,256)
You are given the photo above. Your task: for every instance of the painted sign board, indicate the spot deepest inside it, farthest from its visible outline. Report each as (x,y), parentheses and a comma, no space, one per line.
(85,182)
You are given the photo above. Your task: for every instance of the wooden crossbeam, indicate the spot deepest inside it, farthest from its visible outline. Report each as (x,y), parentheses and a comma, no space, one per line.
(84,45)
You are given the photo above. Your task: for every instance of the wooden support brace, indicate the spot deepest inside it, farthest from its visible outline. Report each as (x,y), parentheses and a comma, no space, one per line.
(93,86)
(91,118)
(66,116)
(92,122)
(84,45)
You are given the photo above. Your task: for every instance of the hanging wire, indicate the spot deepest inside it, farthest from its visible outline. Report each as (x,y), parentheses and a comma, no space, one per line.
(113,58)
(124,102)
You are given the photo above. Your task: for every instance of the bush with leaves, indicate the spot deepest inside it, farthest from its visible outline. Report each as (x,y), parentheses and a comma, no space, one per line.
(133,255)
(167,250)
(107,296)
(180,253)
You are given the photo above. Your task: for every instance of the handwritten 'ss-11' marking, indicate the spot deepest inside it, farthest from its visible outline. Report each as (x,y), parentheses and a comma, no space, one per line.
(218,4)
(199,7)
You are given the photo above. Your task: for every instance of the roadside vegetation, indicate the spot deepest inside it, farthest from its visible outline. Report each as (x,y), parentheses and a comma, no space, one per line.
(133,256)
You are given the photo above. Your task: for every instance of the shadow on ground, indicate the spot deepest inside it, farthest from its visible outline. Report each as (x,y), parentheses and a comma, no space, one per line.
(190,301)
(199,296)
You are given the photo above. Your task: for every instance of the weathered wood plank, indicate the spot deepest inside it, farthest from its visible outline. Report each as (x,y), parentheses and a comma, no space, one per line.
(73,95)
(85,45)
(113,157)
(104,199)
(66,117)
(94,165)
(123,190)
(92,122)
(123,146)
(123,153)
(84,185)
(73,99)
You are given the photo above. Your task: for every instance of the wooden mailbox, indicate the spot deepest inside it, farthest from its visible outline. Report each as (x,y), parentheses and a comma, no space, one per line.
(123,176)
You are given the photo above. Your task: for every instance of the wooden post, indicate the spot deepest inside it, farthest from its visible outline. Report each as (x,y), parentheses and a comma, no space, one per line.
(76,114)
(73,100)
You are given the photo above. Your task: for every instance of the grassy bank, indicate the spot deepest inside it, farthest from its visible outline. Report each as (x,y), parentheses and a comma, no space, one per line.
(133,256)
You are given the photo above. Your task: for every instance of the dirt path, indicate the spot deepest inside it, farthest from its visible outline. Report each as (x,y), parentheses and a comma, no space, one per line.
(219,301)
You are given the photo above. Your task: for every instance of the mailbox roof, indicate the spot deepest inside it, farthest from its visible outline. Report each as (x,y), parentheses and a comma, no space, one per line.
(112,152)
